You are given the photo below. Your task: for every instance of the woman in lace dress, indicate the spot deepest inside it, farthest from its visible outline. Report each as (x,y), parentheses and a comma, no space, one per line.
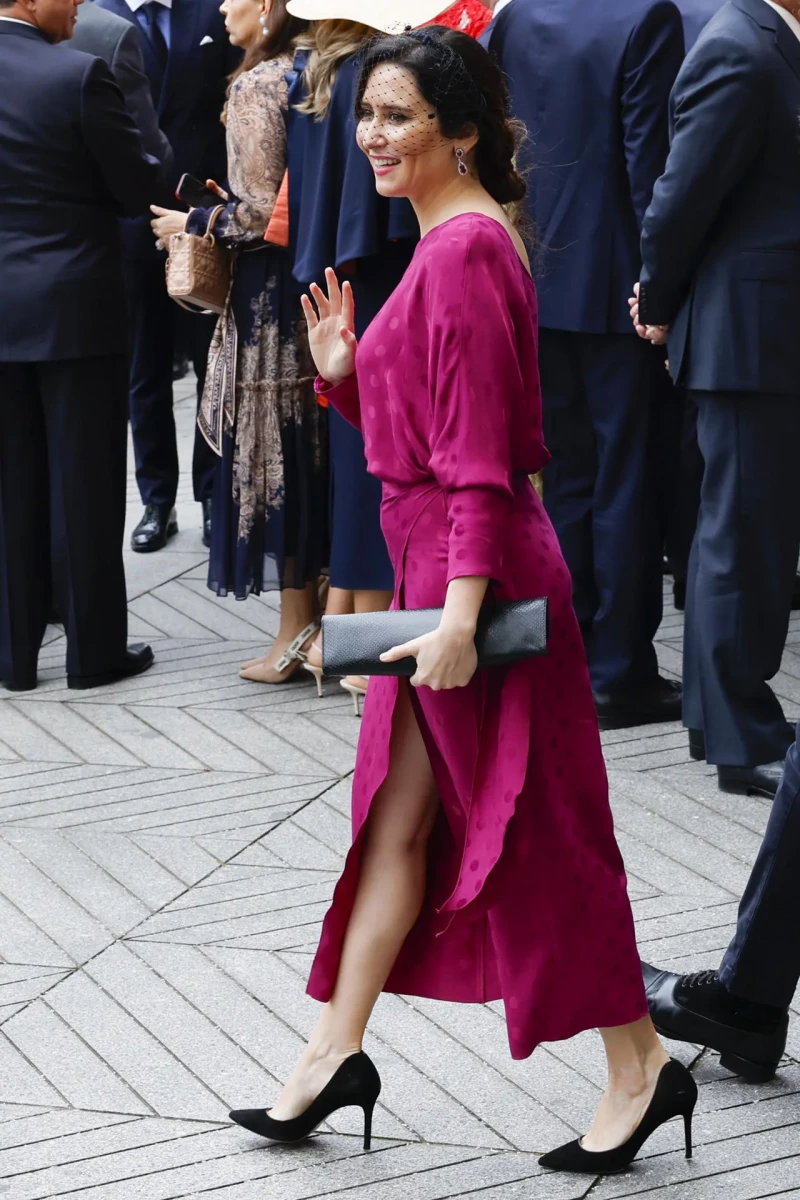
(269,522)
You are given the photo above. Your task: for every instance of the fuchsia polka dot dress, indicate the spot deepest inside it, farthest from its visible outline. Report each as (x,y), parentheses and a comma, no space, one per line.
(526,897)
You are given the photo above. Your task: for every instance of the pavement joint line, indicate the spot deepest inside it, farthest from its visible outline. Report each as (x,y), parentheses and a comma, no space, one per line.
(670,858)
(14,704)
(348,1187)
(285,742)
(90,858)
(150,1033)
(113,1124)
(33,1067)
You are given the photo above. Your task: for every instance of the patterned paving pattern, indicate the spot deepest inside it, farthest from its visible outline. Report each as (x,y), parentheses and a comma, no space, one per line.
(167,851)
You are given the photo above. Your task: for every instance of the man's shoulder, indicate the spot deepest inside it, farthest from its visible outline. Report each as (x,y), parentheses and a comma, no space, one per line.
(41,61)
(732,38)
(98,31)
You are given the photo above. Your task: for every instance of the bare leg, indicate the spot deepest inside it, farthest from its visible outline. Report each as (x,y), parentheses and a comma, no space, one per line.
(389,897)
(298,609)
(635,1058)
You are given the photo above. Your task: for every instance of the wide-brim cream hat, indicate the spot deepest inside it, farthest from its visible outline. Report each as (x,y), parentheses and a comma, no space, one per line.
(389,16)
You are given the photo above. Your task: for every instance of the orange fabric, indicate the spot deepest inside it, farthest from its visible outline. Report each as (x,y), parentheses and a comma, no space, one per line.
(278,229)
(469,16)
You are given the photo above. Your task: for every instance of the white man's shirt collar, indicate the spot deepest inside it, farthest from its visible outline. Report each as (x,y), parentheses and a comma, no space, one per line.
(500,5)
(790,20)
(16,21)
(135,5)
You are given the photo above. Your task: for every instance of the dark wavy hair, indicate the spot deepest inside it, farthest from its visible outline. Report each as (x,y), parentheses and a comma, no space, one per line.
(467,90)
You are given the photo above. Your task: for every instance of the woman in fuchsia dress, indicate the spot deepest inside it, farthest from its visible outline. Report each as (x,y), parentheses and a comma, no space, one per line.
(483,864)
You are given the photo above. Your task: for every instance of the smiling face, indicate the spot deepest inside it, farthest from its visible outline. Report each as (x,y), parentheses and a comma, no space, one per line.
(401,135)
(243,21)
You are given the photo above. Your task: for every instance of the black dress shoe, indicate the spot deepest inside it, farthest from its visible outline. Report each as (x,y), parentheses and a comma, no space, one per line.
(206,507)
(750,1038)
(158,524)
(180,367)
(763,780)
(138,658)
(660,701)
(21,683)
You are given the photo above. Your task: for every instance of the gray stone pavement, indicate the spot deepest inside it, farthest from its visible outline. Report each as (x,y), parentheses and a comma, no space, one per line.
(167,850)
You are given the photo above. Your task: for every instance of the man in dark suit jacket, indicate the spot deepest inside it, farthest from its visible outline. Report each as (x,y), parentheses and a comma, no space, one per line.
(721,254)
(113,39)
(591,83)
(72,161)
(187,58)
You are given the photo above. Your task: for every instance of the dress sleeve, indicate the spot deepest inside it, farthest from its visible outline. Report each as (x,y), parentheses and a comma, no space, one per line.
(256,124)
(477,381)
(343,396)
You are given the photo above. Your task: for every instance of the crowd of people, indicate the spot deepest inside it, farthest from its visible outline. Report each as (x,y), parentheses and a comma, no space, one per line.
(468,248)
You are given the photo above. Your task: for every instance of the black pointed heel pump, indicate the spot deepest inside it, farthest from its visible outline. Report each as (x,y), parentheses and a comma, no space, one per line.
(356,1083)
(675,1096)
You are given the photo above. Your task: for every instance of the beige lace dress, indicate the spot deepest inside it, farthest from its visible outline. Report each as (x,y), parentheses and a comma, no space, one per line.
(259,411)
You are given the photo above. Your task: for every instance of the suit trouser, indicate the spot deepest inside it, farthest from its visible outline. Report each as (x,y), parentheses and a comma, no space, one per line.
(762,962)
(154,332)
(63,453)
(597,391)
(741,574)
(678,469)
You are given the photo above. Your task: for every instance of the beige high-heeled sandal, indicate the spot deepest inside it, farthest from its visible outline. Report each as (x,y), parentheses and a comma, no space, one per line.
(289,662)
(315,669)
(356,690)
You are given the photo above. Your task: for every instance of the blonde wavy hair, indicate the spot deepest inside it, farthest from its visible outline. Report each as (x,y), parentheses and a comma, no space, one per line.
(330,42)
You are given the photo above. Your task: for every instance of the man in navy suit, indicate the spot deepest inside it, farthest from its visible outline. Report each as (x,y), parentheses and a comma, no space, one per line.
(591,81)
(721,269)
(73,160)
(187,58)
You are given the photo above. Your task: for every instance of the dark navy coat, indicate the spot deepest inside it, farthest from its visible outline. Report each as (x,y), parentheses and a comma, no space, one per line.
(591,80)
(721,241)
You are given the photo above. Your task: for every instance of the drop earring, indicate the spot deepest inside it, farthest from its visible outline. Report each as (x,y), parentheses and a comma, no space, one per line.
(262,20)
(463,169)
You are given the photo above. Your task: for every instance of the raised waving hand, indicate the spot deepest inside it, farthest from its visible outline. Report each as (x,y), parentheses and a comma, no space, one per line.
(331,329)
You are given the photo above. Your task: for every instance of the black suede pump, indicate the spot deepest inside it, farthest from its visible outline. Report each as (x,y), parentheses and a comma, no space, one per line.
(355,1084)
(675,1096)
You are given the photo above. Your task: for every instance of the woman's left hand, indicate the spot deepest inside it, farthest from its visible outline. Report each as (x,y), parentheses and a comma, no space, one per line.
(166,222)
(445,658)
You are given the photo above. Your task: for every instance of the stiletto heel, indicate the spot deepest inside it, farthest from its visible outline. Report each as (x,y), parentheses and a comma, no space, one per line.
(675,1096)
(319,676)
(356,1083)
(357,693)
(368,1110)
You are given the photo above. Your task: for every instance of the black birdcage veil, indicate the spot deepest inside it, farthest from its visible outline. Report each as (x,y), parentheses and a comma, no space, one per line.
(391,106)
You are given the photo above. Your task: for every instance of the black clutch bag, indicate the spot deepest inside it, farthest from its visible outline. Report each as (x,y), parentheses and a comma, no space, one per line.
(506,633)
